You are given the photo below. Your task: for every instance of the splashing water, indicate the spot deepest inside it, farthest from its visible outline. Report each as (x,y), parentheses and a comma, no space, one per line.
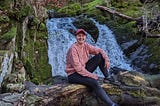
(60,39)
(6,66)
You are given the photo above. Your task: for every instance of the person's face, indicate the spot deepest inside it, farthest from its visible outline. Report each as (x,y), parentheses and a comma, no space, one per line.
(80,37)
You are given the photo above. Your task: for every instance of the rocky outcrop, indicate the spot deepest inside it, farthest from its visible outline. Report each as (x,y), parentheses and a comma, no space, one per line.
(133,89)
(27,27)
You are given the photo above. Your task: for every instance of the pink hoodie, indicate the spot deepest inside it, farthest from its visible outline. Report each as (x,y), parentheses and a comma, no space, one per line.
(77,58)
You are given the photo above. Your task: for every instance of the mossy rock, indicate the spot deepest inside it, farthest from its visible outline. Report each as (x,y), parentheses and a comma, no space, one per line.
(10,34)
(42,27)
(71,10)
(20,13)
(4,19)
(132,78)
(154,50)
(4,4)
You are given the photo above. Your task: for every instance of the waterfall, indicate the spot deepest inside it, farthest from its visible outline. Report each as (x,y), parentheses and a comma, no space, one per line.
(107,42)
(24,29)
(6,65)
(60,39)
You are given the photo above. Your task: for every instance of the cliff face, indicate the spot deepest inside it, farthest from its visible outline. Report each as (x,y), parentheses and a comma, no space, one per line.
(24,21)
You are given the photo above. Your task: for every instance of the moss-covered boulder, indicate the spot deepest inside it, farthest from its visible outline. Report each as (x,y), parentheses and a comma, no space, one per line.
(133,90)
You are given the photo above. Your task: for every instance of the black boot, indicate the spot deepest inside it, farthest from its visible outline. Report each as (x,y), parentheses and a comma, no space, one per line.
(108,78)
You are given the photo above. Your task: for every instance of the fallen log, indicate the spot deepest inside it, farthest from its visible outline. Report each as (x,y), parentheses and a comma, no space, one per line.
(135,89)
(139,19)
(149,35)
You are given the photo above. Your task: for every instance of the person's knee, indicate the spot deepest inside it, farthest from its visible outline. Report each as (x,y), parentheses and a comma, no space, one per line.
(95,84)
(99,57)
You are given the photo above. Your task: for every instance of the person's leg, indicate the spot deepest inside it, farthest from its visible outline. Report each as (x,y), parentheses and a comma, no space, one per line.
(92,84)
(96,61)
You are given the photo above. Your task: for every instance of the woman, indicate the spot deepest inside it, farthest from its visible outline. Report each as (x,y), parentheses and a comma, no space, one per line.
(79,67)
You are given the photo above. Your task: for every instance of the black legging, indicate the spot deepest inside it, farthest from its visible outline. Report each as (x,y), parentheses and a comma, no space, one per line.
(93,84)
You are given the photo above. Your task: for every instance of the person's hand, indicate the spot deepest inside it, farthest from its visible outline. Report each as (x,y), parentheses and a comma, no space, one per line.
(94,76)
(107,65)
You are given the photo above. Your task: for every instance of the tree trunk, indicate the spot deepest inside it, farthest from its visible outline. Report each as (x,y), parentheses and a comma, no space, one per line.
(134,89)
(149,35)
(139,19)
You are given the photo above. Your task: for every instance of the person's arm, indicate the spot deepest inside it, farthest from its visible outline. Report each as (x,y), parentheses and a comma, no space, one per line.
(96,50)
(78,66)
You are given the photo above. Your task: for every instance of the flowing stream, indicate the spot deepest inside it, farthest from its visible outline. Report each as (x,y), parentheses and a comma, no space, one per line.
(60,39)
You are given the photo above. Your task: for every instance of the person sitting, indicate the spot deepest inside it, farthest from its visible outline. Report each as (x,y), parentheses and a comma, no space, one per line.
(80,68)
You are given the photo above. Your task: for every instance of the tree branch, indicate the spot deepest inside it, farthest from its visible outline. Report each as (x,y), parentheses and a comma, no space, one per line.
(102,8)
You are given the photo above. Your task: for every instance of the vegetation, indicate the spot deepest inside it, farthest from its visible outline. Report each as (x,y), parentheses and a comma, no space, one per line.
(36,59)
(4,19)
(71,10)
(4,4)
(34,53)
(21,13)
(124,30)
(10,34)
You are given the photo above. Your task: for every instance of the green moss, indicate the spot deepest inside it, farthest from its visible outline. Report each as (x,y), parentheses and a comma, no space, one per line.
(124,31)
(36,21)
(77,8)
(71,10)
(32,100)
(4,4)
(2,52)
(153,49)
(4,19)
(130,8)
(131,82)
(114,91)
(10,34)
(37,57)
(91,5)
(43,69)
(90,10)
(42,35)
(34,54)
(42,27)
(21,13)
(65,102)
(29,68)
(24,11)
(137,93)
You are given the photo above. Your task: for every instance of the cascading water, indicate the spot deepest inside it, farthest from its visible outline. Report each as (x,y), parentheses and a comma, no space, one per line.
(60,39)
(6,65)
(107,42)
